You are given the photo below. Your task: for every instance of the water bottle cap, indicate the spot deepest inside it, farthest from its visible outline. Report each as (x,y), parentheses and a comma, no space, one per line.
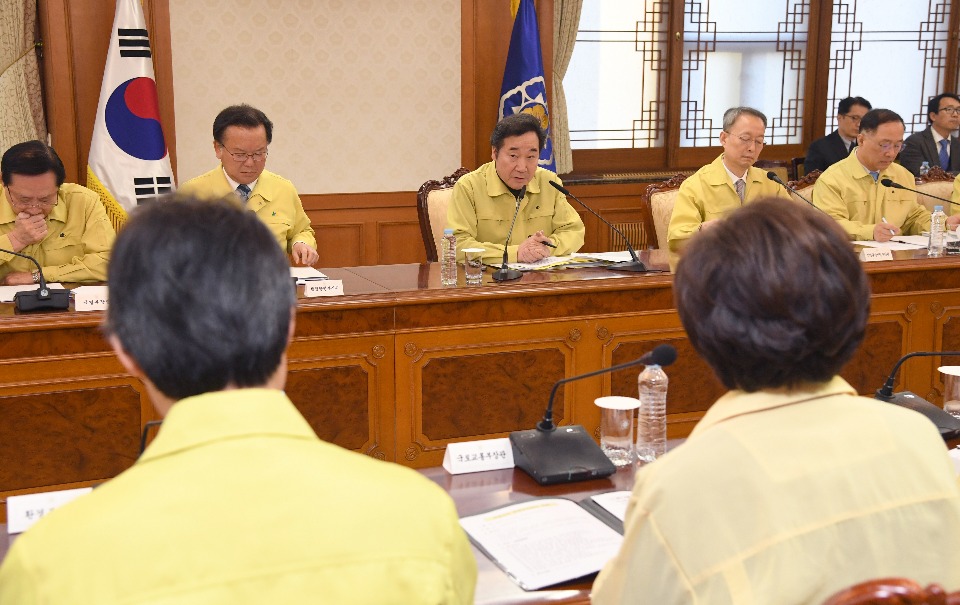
(448,231)
(938,208)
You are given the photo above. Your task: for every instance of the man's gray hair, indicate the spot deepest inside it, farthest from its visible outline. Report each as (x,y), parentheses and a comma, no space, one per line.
(730,116)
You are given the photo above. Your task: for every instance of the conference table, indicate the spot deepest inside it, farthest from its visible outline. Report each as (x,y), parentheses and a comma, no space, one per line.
(400,366)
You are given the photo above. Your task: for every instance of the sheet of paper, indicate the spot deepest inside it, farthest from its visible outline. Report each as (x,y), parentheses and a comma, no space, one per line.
(550,262)
(543,542)
(614,503)
(305,274)
(610,257)
(900,242)
(7,292)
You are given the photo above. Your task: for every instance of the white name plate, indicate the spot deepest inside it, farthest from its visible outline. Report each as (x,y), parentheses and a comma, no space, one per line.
(873,254)
(24,511)
(90,298)
(327,287)
(475,456)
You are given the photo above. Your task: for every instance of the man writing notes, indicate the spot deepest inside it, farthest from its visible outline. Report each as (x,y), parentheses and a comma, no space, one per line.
(791,487)
(936,144)
(827,151)
(484,201)
(62,225)
(851,191)
(236,500)
(241,134)
(727,183)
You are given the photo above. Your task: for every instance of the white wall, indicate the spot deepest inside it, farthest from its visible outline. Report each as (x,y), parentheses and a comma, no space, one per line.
(364,94)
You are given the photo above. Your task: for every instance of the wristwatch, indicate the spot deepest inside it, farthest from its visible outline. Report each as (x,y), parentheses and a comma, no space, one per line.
(36,276)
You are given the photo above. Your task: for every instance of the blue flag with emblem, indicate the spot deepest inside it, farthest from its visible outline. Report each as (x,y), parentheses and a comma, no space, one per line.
(524,86)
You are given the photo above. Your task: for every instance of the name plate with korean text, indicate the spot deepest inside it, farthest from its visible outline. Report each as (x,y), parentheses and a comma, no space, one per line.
(868,255)
(327,287)
(475,456)
(24,511)
(90,298)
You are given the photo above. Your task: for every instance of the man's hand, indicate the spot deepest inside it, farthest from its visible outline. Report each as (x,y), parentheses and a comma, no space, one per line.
(304,255)
(533,249)
(28,229)
(883,231)
(953,222)
(18,278)
(708,224)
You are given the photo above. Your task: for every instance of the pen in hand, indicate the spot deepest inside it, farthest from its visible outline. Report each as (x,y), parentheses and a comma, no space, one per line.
(884,219)
(548,244)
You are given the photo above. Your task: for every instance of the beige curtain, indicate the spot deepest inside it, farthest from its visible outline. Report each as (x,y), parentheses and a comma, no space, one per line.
(566,20)
(21,98)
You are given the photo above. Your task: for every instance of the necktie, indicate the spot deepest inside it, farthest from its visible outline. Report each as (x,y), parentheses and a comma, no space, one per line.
(875,175)
(944,156)
(244,192)
(740,186)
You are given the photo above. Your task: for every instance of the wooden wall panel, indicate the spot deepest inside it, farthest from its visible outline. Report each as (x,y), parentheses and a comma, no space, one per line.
(399,242)
(340,245)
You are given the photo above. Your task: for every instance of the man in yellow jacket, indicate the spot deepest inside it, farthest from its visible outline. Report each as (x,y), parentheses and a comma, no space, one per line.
(236,500)
(853,193)
(241,134)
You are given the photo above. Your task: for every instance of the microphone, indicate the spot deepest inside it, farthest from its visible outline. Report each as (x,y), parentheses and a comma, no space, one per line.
(633,265)
(43,298)
(505,273)
(895,185)
(948,425)
(776,179)
(552,454)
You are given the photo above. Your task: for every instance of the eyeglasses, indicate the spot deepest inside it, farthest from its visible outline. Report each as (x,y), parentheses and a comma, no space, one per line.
(240,157)
(747,139)
(950,110)
(854,119)
(888,146)
(46,201)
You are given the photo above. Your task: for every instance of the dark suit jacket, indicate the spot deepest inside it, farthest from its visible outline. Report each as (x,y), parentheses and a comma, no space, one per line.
(921,148)
(825,152)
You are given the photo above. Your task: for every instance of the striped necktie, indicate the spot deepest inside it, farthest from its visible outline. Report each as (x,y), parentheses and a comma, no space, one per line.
(740,186)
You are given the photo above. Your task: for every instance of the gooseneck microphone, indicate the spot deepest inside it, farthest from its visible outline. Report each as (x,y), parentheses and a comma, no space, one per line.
(895,185)
(505,273)
(552,454)
(43,298)
(634,265)
(776,179)
(948,426)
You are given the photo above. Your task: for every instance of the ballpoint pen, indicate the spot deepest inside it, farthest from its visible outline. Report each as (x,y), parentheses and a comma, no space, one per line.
(884,219)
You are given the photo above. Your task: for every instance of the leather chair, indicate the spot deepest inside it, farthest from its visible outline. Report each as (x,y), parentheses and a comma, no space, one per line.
(659,200)
(432,201)
(893,591)
(804,186)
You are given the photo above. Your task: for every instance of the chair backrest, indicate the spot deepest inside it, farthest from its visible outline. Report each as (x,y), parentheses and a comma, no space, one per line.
(893,591)
(432,200)
(784,168)
(799,171)
(659,200)
(936,182)
(804,186)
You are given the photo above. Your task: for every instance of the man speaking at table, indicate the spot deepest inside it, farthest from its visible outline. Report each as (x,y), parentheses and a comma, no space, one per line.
(236,500)
(62,225)
(241,134)
(485,201)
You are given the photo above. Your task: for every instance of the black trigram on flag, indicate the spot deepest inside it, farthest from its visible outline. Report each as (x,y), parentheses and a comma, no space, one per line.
(134,42)
(147,187)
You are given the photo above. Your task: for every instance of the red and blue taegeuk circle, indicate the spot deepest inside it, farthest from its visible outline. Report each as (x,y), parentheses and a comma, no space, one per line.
(132,116)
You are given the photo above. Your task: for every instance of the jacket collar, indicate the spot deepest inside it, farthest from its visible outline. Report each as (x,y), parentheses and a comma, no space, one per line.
(496,187)
(211,417)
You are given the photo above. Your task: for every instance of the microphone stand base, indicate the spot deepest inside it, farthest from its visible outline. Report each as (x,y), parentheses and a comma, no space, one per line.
(504,274)
(948,426)
(563,455)
(630,266)
(31,300)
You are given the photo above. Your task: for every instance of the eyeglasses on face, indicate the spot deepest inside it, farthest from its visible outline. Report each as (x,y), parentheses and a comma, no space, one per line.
(21,201)
(747,139)
(887,146)
(950,111)
(854,119)
(257,156)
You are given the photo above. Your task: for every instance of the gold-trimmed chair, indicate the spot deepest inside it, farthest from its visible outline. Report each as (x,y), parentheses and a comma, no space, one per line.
(432,201)
(804,186)
(936,182)
(893,591)
(659,200)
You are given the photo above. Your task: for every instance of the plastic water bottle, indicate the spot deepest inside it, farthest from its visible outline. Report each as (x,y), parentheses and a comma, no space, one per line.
(652,416)
(448,259)
(938,221)
(924,168)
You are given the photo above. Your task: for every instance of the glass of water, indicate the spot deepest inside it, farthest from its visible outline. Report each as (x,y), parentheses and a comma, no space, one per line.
(616,428)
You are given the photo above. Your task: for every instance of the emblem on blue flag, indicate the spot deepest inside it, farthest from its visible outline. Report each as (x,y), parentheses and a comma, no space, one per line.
(524,86)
